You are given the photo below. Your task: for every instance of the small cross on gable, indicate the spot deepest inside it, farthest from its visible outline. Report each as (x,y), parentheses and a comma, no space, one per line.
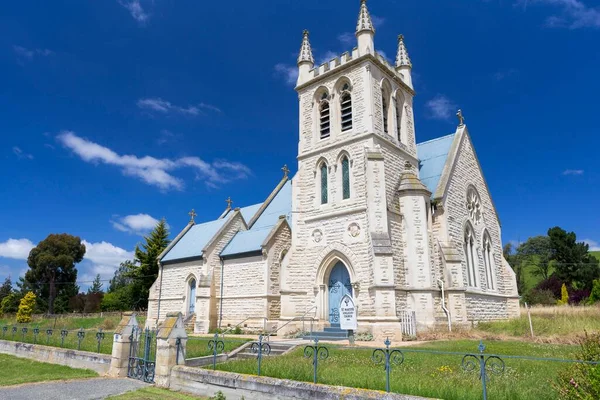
(192,215)
(229,202)
(285,170)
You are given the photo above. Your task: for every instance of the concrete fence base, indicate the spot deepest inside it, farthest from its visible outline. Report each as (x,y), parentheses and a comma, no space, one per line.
(71,358)
(235,386)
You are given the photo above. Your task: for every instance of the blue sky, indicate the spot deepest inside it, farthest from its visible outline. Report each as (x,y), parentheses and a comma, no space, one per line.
(116,113)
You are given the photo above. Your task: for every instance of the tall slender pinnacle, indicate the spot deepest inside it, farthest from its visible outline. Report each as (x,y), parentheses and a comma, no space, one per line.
(305,50)
(402,59)
(364,19)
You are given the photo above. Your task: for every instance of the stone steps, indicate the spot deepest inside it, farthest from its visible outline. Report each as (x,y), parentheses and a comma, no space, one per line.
(190,322)
(277,349)
(329,333)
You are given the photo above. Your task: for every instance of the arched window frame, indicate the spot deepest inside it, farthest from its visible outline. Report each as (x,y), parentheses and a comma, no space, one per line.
(323,113)
(473,204)
(323,183)
(470,255)
(386,107)
(346,111)
(190,293)
(344,176)
(399,102)
(488,261)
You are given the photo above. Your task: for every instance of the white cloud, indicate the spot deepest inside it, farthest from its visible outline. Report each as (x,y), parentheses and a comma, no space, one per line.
(155,171)
(159,105)
(101,258)
(377,21)
(440,107)
(16,248)
(573,172)
(288,72)
(347,38)
(25,54)
(20,154)
(136,10)
(573,14)
(328,56)
(138,223)
(594,246)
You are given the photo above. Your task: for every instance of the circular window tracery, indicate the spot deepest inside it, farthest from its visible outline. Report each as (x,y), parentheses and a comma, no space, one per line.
(474,205)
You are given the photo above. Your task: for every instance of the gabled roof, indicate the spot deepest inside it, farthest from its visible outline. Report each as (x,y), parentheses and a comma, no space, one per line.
(432,156)
(253,239)
(194,240)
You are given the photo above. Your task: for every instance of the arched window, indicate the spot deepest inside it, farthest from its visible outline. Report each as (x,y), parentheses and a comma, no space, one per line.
(345,178)
(399,114)
(346,108)
(488,261)
(469,249)
(474,205)
(324,111)
(324,183)
(385,109)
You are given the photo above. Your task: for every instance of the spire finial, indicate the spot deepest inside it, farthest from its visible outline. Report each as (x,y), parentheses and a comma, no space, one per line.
(229,202)
(364,19)
(192,215)
(305,50)
(285,170)
(461,118)
(402,59)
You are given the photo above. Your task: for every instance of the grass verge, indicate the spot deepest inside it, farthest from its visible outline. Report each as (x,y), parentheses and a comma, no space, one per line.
(152,393)
(423,374)
(198,346)
(16,371)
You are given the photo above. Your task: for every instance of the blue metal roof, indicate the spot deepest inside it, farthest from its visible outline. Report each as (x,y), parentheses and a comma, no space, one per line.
(251,240)
(432,159)
(192,243)
(248,212)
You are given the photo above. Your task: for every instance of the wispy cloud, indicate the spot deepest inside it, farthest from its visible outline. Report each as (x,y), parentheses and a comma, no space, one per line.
(594,246)
(573,172)
(441,107)
(155,171)
(138,224)
(159,105)
(16,248)
(377,21)
(505,74)
(347,38)
(25,54)
(136,10)
(101,258)
(573,14)
(289,73)
(20,154)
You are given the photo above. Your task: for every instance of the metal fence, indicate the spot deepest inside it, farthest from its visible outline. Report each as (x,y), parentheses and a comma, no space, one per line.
(92,340)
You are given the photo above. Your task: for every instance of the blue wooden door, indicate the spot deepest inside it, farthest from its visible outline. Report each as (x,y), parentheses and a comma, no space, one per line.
(192,305)
(339,286)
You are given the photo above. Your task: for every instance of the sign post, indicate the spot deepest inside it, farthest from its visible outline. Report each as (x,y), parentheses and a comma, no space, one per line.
(348,317)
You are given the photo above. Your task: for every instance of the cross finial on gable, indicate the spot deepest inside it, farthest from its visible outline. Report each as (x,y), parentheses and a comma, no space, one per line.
(229,202)
(461,118)
(192,215)
(285,170)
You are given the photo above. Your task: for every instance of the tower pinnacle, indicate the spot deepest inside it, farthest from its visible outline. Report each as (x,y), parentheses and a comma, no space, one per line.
(364,19)
(402,59)
(305,51)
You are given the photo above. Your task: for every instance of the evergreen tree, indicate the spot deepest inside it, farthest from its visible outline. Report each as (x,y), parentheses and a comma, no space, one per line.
(145,271)
(122,277)
(52,273)
(26,307)
(6,288)
(96,286)
(574,264)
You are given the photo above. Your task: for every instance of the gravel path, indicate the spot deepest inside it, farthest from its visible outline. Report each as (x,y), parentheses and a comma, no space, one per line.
(85,389)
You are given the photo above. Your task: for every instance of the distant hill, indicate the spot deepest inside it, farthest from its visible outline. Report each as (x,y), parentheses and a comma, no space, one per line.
(595,254)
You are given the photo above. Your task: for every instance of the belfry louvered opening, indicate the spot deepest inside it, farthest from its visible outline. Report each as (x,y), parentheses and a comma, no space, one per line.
(346,108)
(324,122)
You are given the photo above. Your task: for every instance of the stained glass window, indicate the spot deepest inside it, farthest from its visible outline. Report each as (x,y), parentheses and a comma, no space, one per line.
(346,178)
(323,183)
(384,106)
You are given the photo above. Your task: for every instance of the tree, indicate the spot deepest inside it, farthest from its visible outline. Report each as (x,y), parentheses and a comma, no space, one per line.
(146,271)
(514,261)
(96,286)
(26,307)
(6,288)
(122,276)
(574,264)
(564,296)
(10,304)
(536,251)
(52,268)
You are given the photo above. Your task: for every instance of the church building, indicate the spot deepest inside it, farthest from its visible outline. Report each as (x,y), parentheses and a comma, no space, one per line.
(409,230)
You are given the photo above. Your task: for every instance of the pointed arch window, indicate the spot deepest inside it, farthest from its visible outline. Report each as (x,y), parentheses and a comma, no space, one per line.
(488,261)
(399,114)
(324,187)
(346,108)
(469,250)
(385,109)
(345,178)
(324,117)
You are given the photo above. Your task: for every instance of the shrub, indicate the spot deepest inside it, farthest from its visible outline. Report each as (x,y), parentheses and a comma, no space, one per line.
(581,381)
(537,296)
(10,304)
(564,296)
(595,294)
(552,284)
(364,337)
(26,307)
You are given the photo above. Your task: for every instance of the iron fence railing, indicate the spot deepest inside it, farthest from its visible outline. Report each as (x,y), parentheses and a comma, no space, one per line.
(93,340)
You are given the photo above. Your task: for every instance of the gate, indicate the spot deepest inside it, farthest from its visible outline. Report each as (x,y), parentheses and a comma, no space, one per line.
(142,355)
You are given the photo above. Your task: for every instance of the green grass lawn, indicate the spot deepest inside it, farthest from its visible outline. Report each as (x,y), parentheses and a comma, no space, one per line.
(429,375)
(88,343)
(20,370)
(198,346)
(595,254)
(152,393)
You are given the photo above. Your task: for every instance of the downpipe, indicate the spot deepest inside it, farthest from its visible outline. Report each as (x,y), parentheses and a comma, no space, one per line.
(441,284)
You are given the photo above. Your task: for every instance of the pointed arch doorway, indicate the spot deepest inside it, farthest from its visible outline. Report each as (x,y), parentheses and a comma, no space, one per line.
(339,285)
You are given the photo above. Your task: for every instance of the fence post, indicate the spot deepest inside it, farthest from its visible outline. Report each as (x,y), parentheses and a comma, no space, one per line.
(171,340)
(121,345)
